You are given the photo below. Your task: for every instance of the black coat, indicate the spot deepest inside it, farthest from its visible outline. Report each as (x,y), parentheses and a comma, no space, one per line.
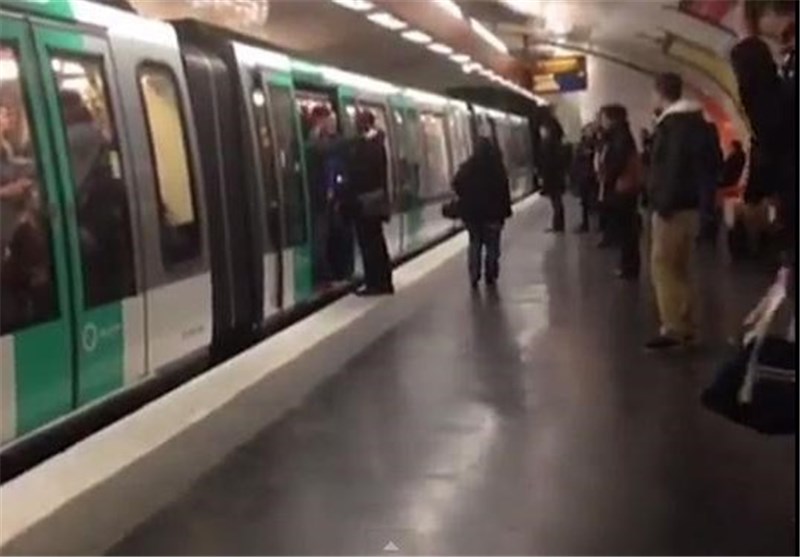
(732,169)
(367,166)
(552,159)
(481,184)
(619,147)
(770,101)
(679,160)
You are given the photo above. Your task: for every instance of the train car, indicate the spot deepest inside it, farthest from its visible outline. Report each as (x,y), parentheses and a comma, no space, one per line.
(158,212)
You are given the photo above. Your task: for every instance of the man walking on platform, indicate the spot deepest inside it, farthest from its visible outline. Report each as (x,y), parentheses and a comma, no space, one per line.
(676,177)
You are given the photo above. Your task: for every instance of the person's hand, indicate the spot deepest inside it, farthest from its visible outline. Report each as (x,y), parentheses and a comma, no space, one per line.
(16,188)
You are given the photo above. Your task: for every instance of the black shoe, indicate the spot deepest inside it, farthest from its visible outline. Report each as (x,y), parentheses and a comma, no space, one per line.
(555,230)
(582,229)
(491,283)
(473,283)
(662,342)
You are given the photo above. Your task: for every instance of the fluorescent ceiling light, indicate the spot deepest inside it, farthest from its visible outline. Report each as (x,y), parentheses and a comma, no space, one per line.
(355,5)
(460,58)
(450,7)
(385,19)
(440,48)
(416,37)
(488,36)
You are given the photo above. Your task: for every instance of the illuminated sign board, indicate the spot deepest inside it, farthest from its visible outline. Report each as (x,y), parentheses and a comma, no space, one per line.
(562,74)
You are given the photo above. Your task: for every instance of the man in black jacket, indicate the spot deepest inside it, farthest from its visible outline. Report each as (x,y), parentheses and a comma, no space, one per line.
(484,198)
(552,167)
(676,176)
(369,199)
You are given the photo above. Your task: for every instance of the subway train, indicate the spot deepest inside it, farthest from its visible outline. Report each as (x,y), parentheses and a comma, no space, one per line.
(157,214)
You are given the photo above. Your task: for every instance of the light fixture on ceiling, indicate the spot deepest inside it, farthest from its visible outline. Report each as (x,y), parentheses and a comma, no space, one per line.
(488,36)
(355,5)
(440,48)
(460,58)
(471,67)
(416,37)
(450,7)
(385,19)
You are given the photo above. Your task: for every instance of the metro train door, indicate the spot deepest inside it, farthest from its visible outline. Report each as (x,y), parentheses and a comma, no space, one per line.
(296,263)
(84,109)
(36,349)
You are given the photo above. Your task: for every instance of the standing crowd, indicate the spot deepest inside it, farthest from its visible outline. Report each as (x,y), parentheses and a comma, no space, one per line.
(675,179)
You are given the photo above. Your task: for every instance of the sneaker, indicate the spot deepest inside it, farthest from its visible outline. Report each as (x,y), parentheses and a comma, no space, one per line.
(662,342)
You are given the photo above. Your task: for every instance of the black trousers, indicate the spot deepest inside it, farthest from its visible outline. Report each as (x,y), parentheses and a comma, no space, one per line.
(627,230)
(557,202)
(374,254)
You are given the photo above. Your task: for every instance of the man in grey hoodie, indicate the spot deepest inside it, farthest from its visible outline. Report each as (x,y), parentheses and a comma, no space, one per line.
(678,170)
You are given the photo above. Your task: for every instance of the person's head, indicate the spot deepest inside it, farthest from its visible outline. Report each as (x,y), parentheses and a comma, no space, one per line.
(323,121)
(365,121)
(613,115)
(771,18)
(736,145)
(668,89)
(74,109)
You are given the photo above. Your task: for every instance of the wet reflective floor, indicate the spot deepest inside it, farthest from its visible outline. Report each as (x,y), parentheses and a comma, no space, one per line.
(526,422)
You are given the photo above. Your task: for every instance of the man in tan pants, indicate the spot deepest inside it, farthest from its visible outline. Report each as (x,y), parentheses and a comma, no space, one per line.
(681,165)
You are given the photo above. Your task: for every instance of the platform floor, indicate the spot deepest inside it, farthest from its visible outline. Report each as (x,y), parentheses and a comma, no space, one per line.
(530,422)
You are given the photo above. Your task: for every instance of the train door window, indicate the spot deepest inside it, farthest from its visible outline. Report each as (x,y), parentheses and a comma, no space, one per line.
(104,224)
(414,152)
(289,159)
(437,171)
(270,177)
(307,103)
(27,283)
(179,227)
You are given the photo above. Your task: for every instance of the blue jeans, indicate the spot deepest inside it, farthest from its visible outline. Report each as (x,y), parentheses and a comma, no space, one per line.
(484,241)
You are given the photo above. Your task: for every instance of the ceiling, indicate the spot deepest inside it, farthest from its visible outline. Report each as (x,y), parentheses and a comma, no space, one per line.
(645,35)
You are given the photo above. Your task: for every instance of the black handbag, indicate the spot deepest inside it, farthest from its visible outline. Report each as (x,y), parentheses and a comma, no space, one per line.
(452,209)
(756,386)
(374,204)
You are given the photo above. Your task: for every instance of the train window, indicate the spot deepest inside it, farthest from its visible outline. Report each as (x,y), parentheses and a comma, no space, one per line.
(179,227)
(104,228)
(437,170)
(27,284)
(289,157)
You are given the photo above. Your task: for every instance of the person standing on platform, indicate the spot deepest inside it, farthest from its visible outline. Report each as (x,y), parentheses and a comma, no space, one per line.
(675,179)
(621,183)
(484,200)
(552,169)
(709,219)
(583,175)
(369,199)
(733,167)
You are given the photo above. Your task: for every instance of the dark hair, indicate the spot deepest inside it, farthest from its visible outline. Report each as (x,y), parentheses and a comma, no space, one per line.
(365,119)
(670,86)
(617,113)
(319,112)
